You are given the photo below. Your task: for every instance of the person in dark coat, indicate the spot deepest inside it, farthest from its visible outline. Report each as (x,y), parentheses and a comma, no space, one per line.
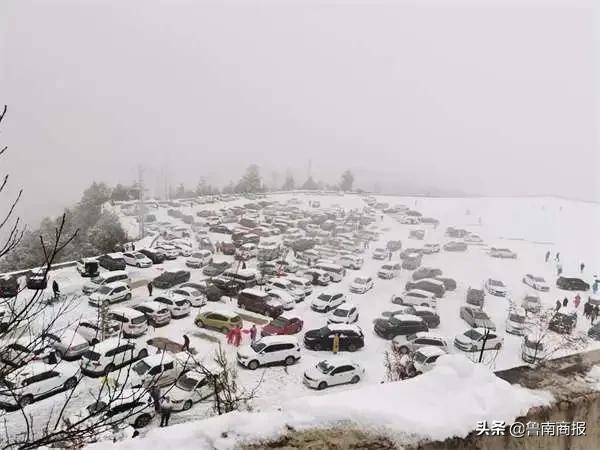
(557,256)
(186,343)
(565,302)
(587,310)
(581,267)
(55,289)
(150,287)
(595,312)
(558,305)
(243,264)
(547,255)
(155,395)
(165,411)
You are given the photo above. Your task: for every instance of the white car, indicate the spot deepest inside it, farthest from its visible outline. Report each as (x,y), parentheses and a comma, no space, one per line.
(110,354)
(277,349)
(331,372)
(345,313)
(68,343)
(413,342)
(283,284)
(302,284)
(351,262)
(416,297)
(429,249)
(532,349)
(154,370)
(137,259)
(170,251)
(93,330)
(287,300)
(496,252)
(361,285)
(178,305)
(328,301)
(199,259)
(531,303)
(535,282)
(424,358)
(196,298)
(110,293)
(515,322)
(380,253)
(473,340)
(191,387)
(473,238)
(23,386)
(495,287)
(410,220)
(389,271)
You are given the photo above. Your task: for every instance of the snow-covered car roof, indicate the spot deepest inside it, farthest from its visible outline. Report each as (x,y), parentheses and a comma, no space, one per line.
(279,339)
(431,350)
(344,327)
(408,317)
(419,291)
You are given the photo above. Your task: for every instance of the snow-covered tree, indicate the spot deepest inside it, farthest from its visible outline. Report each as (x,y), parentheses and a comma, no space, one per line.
(347,181)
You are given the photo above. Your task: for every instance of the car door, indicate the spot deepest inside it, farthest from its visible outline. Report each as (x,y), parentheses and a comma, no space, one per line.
(269,354)
(339,375)
(169,373)
(202,390)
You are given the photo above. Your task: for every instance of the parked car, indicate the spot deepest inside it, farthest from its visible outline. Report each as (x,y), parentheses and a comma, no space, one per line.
(430,248)
(345,313)
(410,252)
(594,331)
(415,341)
(199,259)
(416,234)
(35,381)
(432,285)
(380,253)
(473,238)
(154,255)
(171,252)
(416,297)
(563,321)
(351,338)
(67,343)
(449,283)
(351,262)
(111,354)
(269,350)
(94,331)
(282,325)
(87,267)
(167,280)
(533,349)
(333,372)
(317,277)
(9,287)
(112,261)
(284,297)
(502,253)
(531,303)
(455,246)
(389,271)
(157,314)
(178,305)
(259,302)
(399,324)
(216,267)
(361,284)
(218,319)
(424,359)
(495,287)
(192,387)
(536,282)
(301,283)
(431,318)
(196,298)
(284,284)
(137,259)
(155,370)
(476,318)
(473,340)
(131,322)
(110,293)
(38,279)
(515,322)
(475,297)
(571,284)
(327,301)
(104,279)
(411,261)
(426,272)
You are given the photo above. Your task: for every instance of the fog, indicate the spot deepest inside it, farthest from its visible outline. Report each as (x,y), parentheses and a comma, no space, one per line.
(485,98)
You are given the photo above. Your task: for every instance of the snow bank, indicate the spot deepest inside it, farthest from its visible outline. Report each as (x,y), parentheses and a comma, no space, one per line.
(446,402)
(593,377)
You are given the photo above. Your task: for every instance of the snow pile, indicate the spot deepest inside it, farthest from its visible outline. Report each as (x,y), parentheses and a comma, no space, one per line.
(593,377)
(443,403)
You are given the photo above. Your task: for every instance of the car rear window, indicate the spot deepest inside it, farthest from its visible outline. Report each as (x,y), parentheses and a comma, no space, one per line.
(91,355)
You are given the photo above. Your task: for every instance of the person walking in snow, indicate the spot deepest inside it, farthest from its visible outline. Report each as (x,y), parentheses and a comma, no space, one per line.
(252,332)
(237,336)
(581,267)
(565,302)
(155,395)
(230,336)
(557,257)
(150,287)
(390,255)
(547,255)
(587,309)
(186,343)
(165,411)
(336,344)
(595,285)
(55,289)
(595,312)
(243,264)
(576,301)
(557,305)
(559,269)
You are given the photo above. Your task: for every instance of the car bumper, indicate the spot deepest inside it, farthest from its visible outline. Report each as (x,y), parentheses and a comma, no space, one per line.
(464,347)
(313,384)
(193,265)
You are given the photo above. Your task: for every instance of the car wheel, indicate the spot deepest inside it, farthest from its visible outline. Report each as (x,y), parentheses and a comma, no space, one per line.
(128,297)
(70,383)
(403,350)
(94,341)
(253,365)
(352,348)
(187,405)
(108,369)
(289,360)
(200,324)
(142,354)
(142,421)
(26,400)
(322,385)
(317,347)
(355,379)
(424,304)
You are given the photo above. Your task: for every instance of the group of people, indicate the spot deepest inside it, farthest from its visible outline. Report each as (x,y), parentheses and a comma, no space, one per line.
(589,311)
(162,405)
(234,336)
(559,268)
(219,247)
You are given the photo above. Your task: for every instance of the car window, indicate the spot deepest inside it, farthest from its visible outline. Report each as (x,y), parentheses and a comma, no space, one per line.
(154,371)
(169,365)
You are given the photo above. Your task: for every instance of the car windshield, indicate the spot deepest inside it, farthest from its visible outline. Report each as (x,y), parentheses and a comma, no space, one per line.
(104,290)
(140,256)
(181,302)
(324,297)
(138,320)
(258,346)
(141,367)
(340,312)
(324,331)
(186,383)
(92,356)
(279,322)
(324,367)
(472,334)
(97,280)
(517,318)
(480,315)
(534,345)
(197,255)
(419,357)
(539,279)
(360,280)
(387,267)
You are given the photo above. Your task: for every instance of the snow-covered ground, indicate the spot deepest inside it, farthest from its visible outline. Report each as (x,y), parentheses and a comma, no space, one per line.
(529,226)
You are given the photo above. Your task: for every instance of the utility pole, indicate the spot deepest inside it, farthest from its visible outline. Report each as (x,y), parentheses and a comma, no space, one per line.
(142,208)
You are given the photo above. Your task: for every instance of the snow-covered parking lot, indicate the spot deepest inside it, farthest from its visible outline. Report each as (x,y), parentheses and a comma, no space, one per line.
(528,226)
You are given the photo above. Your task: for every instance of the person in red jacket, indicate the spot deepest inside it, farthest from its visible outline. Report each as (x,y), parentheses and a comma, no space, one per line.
(252,331)
(237,336)
(230,336)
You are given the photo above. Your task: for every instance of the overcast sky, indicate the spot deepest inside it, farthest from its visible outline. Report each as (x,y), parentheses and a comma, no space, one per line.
(487,97)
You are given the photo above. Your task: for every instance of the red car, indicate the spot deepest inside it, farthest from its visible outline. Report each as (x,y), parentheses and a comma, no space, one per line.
(283,325)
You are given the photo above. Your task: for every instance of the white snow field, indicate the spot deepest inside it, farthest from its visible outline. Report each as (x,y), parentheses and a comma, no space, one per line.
(528,226)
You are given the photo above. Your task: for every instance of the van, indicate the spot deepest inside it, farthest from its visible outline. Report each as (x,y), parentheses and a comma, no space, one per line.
(245,278)
(259,302)
(133,323)
(336,271)
(111,354)
(105,278)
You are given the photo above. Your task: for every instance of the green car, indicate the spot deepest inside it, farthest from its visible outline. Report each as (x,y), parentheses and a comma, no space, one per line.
(218,320)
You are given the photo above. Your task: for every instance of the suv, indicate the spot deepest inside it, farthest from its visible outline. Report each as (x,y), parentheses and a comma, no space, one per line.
(495,287)
(389,271)
(455,246)
(399,324)
(333,372)
(156,256)
(535,282)
(167,280)
(110,293)
(415,297)
(431,318)
(112,261)
(285,285)
(217,319)
(426,272)
(328,301)
(351,338)
(572,284)
(38,279)
(111,354)
(476,318)
(137,259)
(156,313)
(278,349)
(432,285)
(259,302)
(531,303)
(216,267)
(421,339)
